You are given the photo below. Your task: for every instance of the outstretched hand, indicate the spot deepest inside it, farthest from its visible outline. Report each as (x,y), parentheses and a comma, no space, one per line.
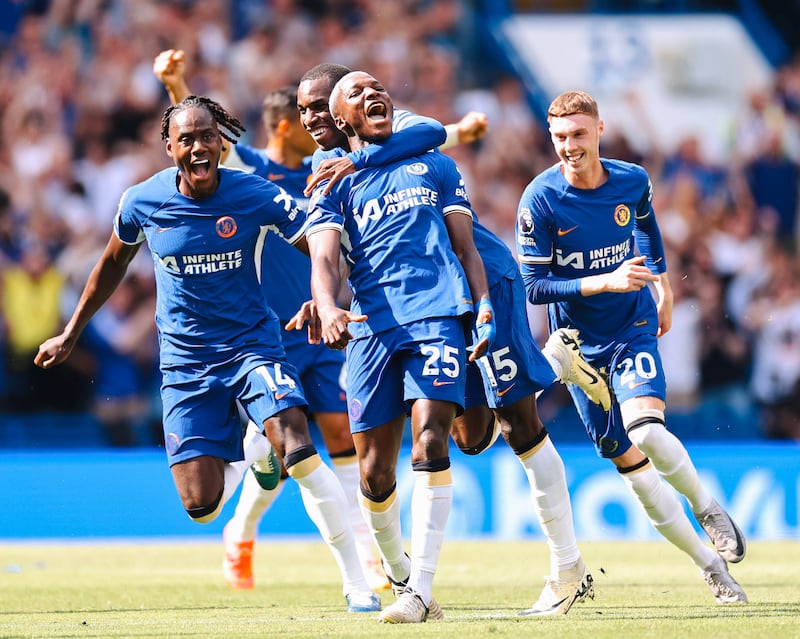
(307,313)
(333,170)
(334,321)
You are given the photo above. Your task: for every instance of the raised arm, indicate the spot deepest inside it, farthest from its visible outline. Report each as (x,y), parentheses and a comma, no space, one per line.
(169,67)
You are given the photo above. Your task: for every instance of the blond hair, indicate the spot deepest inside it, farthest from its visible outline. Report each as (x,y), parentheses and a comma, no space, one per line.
(573,103)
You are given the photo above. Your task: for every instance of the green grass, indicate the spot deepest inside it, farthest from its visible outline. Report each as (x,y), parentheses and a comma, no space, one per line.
(644,590)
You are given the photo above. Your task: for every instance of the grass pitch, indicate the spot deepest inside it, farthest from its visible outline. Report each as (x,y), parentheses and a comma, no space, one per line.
(644,590)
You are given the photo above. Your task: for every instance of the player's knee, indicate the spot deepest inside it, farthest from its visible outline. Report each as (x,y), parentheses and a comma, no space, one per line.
(486,433)
(647,430)
(207,513)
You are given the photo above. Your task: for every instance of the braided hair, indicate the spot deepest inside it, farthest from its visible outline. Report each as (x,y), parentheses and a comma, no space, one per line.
(233,127)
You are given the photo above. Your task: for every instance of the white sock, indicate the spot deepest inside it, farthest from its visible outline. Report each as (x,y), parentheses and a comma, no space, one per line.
(545,471)
(430,509)
(667,515)
(383,520)
(326,505)
(256,446)
(671,460)
(254,501)
(347,471)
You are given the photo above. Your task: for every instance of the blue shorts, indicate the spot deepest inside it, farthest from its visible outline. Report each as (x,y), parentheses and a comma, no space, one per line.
(635,371)
(515,367)
(387,371)
(199,404)
(322,372)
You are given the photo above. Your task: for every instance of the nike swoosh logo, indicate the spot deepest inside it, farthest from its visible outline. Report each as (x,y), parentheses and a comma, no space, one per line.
(500,393)
(436,382)
(275,176)
(558,603)
(562,232)
(160,229)
(636,384)
(281,395)
(589,373)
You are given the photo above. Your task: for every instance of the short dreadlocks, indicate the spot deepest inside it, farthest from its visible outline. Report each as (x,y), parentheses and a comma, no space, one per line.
(233,127)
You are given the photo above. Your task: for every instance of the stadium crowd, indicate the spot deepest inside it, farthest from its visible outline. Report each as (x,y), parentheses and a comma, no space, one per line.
(79,105)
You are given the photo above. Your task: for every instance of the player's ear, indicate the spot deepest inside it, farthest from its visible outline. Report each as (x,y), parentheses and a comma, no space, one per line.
(601,126)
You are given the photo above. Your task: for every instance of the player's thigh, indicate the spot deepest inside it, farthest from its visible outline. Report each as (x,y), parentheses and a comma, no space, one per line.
(199,481)
(200,417)
(335,431)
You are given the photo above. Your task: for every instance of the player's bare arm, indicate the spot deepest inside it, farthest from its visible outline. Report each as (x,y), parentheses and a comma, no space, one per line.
(664,302)
(102,282)
(459,228)
(332,169)
(631,275)
(325,284)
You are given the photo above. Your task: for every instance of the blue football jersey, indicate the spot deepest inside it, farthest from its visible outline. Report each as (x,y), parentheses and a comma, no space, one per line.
(207,258)
(564,233)
(289,282)
(394,238)
(428,134)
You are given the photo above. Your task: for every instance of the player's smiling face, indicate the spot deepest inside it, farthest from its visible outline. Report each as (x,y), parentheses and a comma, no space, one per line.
(195,145)
(576,139)
(364,104)
(312,102)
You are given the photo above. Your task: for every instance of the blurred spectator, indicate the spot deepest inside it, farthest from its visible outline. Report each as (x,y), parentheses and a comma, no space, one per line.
(774,320)
(680,347)
(30,297)
(121,341)
(774,180)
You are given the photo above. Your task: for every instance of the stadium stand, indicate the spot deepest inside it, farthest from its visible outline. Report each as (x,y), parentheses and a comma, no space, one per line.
(80,110)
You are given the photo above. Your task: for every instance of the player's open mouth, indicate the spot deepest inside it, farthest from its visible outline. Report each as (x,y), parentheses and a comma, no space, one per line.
(376,110)
(200,168)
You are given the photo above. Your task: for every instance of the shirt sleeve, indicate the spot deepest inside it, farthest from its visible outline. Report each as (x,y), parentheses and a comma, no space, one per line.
(412,135)
(534,237)
(542,287)
(126,223)
(647,233)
